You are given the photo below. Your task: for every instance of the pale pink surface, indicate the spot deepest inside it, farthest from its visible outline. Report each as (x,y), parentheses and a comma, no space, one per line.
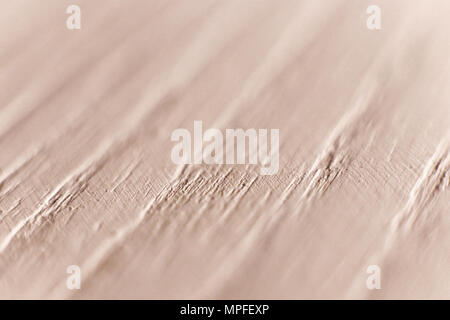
(86,176)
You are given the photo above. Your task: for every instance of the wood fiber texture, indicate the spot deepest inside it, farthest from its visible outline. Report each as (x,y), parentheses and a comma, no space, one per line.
(86,176)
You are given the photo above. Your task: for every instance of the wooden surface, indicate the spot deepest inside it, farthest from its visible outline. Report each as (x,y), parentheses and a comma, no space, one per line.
(86,176)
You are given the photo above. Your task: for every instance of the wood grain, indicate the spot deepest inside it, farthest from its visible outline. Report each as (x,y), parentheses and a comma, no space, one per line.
(86,177)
